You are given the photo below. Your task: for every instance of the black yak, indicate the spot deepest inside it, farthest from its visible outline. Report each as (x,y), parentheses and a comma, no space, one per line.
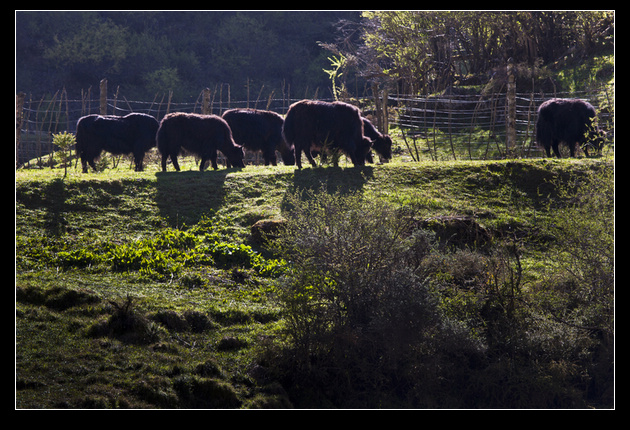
(260,130)
(569,121)
(201,135)
(319,126)
(130,134)
(381,143)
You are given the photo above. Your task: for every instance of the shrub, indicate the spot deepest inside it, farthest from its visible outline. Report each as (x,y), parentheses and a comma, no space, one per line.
(206,393)
(585,255)
(64,141)
(578,292)
(127,324)
(356,300)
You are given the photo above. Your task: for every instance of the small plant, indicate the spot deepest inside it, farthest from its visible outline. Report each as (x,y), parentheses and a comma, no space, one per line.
(338,64)
(128,324)
(64,141)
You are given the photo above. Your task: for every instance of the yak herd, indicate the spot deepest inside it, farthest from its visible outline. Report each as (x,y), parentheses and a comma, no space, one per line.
(312,127)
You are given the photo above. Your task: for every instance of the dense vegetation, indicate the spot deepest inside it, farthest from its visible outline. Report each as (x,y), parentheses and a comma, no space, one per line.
(153,52)
(298,52)
(148,290)
(430,51)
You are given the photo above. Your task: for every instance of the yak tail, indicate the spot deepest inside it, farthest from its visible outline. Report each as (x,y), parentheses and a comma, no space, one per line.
(161,139)
(79,138)
(543,131)
(288,129)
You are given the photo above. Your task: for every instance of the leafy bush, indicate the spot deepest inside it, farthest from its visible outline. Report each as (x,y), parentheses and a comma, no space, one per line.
(356,300)
(378,315)
(585,259)
(578,289)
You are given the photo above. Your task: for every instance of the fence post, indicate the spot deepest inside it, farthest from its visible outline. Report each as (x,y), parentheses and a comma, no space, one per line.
(168,103)
(205,102)
(511,108)
(19,118)
(104,96)
(385,129)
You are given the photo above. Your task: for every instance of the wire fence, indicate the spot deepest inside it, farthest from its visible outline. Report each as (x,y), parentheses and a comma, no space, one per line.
(37,119)
(439,127)
(475,126)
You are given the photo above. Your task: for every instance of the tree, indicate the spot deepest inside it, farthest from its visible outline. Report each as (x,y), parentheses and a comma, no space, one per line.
(96,42)
(64,141)
(429,51)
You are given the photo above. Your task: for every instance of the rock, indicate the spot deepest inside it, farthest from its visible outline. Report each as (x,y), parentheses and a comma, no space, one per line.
(230,343)
(458,230)
(265,229)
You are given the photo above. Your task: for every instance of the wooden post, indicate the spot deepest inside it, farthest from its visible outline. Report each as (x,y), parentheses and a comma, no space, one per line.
(168,103)
(205,103)
(19,118)
(511,108)
(104,97)
(377,104)
(385,129)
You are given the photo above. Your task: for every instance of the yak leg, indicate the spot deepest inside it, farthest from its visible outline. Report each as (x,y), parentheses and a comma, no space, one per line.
(92,164)
(213,160)
(298,156)
(138,159)
(270,157)
(309,157)
(175,163)
(556,150)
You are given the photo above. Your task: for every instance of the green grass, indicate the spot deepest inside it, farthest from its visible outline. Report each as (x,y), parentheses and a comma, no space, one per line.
(69,285)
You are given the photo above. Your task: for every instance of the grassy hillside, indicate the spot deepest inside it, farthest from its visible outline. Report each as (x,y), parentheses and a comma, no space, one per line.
(145,290)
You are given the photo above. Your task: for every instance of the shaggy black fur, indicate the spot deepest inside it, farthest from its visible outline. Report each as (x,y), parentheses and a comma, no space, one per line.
(201,135)
(315,125)
(260,130)
(568,121)
(130,134)
(381,143)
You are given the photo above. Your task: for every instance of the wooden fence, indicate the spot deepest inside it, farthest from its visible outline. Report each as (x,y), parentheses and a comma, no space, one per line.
(438,127)
(38,119)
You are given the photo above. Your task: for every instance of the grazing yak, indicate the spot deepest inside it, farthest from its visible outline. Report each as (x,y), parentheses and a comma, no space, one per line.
(260,130)
(381,143)
(318,126)
(201,135)
(568,121)
(130,134)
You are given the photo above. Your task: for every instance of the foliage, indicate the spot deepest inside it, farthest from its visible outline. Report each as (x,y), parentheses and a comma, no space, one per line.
(370,298)
(338,64)
(353,298)
(160,257)
(147,52)
(432,50)
(582,276)
(100,42)
(64,141)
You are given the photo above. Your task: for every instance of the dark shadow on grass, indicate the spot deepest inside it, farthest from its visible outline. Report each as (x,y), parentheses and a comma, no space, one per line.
(329,179)
(54,197)
(332,179)
(184,197)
